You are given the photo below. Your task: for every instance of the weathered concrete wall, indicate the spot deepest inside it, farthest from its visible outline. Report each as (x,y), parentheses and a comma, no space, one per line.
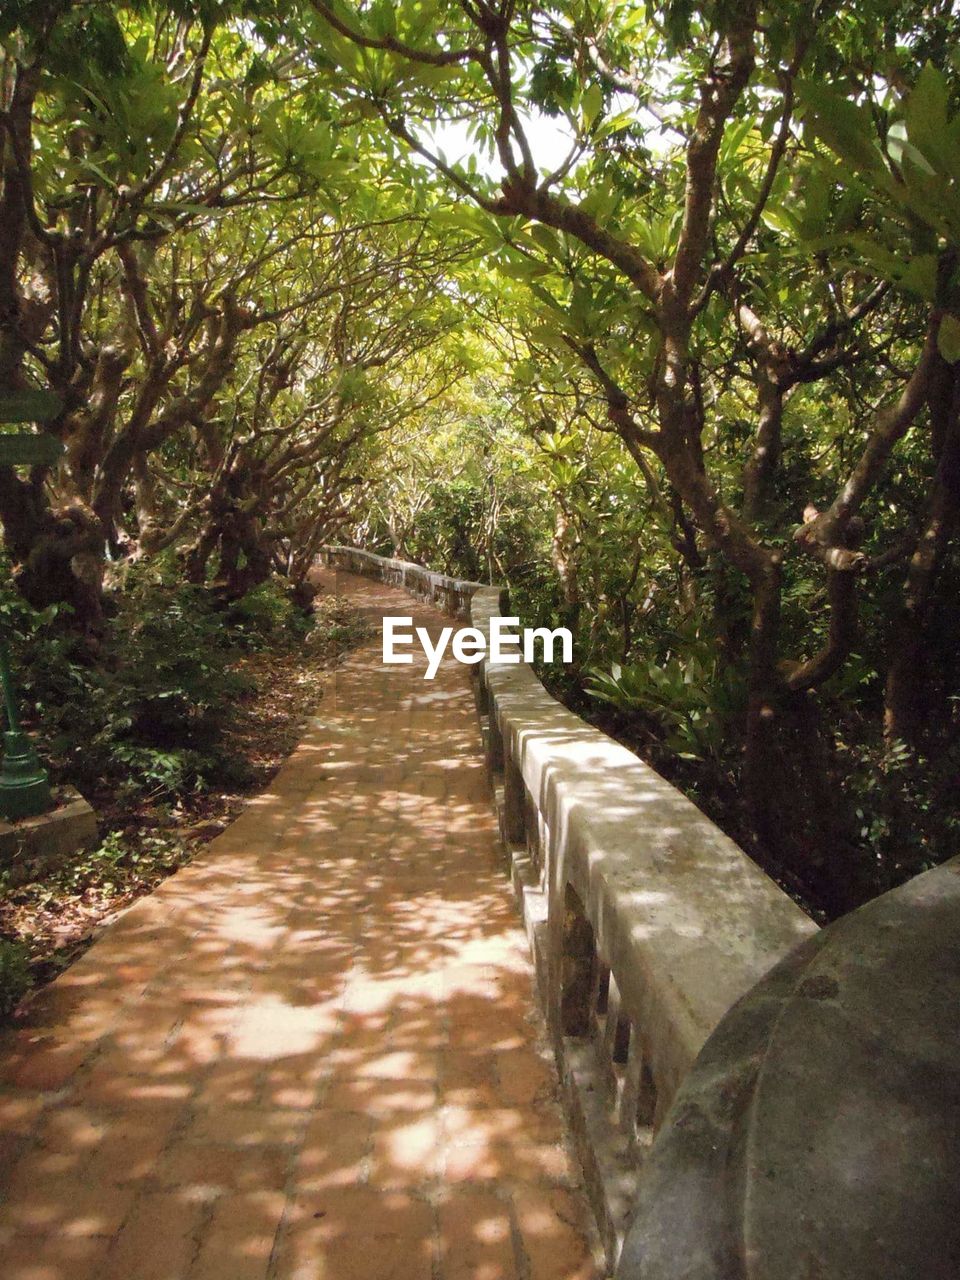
(646,921)
(33,845)
(817,1134)
(451,594)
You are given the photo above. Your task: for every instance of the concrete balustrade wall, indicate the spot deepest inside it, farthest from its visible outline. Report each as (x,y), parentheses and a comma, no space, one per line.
(453,595)
(646,921)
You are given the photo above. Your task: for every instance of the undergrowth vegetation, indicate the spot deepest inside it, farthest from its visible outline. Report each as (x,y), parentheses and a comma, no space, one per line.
(186,705)
(660,664)
(150,709)
(651,311)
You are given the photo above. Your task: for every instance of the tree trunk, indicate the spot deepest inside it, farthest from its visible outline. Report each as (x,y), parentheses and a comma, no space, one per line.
(909,692)
(57,551)
(563,553)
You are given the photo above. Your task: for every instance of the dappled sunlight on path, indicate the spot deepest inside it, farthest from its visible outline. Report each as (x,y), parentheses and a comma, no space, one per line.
(315,1053)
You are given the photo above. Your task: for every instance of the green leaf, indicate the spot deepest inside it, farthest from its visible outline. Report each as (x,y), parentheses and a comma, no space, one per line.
(781,220)
(920,276)
(547,299)
(816,207)
(29,450)
(547,239)
(549,335)
(95,168)
(591,104)
(901,150)
(845,127)
(623,120)
(926,107)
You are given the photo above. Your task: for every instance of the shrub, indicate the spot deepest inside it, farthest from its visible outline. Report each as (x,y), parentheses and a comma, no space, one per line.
(267,615)
(689,698)
(121,863)
(171,684)
(336,627)
(148,712)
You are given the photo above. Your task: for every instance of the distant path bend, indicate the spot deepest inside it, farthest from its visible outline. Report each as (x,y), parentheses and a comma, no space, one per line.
(315,1053)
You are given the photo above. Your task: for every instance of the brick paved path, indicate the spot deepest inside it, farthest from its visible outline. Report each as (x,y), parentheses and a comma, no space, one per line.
(314,1053)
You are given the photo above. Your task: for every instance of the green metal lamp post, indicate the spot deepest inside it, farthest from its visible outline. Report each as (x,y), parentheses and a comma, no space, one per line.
(24,785)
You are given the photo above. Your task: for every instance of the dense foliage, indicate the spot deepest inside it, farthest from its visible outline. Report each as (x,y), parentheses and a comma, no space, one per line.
(653,311)
(153,715)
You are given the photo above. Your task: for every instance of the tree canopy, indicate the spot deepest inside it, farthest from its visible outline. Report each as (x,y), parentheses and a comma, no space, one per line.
(652,312)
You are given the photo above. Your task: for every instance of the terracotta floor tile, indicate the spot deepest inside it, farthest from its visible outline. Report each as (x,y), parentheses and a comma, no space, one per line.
(526,1079)
(158,1240)
(508,1163)
(554,1233)
(130,1150)
(305,1254)
(246,1126)
(335,1149)
(475,1237)
(49,1193)
(76,1130)
(42,1063)
(231,1083)
(381,1097)
(53,1258)
(356,1234)
(19,1112)
(314,1053)
(406,1151)
(469,1078)
(399,1064)
(470,1125)
(104,1088)
(205,1166)
(238,1240)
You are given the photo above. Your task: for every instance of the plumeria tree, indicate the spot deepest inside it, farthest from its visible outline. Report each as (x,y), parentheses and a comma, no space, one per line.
(194,257)
(730,252)
(652,311)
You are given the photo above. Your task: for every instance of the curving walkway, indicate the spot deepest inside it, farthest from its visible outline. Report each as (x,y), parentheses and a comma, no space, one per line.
(315,1053)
